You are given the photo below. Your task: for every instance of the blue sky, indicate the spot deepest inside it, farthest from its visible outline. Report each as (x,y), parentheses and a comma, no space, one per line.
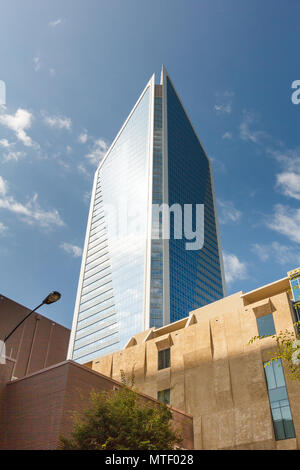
(73,70)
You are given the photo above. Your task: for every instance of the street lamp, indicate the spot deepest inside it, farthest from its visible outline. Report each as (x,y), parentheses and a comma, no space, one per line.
(50,299)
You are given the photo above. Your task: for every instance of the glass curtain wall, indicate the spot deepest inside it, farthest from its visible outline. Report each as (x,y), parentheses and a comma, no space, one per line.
(156,287)
(112,298)
(195,275)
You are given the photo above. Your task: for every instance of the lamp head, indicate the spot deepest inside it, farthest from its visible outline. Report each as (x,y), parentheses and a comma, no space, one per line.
(52,297)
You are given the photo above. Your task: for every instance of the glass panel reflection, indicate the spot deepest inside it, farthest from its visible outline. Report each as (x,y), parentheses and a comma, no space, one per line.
(279,401)
(113,285)
(195,276)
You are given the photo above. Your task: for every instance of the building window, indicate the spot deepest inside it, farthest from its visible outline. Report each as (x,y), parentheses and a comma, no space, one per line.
(164,396)
(266,325)
(279,401)
(296,311)
(164,359)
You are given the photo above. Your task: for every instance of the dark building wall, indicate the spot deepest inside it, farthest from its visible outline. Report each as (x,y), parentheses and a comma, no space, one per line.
(40,407)
(38,343)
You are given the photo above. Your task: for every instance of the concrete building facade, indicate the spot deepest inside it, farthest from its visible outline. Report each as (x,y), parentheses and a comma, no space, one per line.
(40,407)
(212,373)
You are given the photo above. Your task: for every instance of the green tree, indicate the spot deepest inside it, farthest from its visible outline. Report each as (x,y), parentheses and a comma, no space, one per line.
(287,349)
(122,420)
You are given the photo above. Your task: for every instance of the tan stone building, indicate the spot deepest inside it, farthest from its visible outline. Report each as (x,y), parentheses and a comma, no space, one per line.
(204,366)
(40,407)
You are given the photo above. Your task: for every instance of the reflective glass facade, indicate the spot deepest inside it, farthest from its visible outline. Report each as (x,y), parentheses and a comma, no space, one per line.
(156,283)
(279,402)
(195,275)
(112,296)
(131,279)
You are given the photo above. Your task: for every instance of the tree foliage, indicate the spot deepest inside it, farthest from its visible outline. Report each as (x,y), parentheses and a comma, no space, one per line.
(287,349)
(121,420)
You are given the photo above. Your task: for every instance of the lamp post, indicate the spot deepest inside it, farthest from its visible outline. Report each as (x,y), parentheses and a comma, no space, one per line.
(50,299)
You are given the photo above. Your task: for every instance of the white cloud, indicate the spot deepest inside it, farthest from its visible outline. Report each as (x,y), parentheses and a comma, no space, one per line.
(55,23)
(3,228)
(4,143)
(262,251)
(224,105)
(286,221)
(18,122)
(289,158)
(289,183)
(98,152)
(246,133)
(82,169)
(227,135)
(87,197)
(282,254)
(234,268)
(74,250)
(228,213)
(30,212)
(37,63)
(58,122)
(63,163)
(13,156)
(83,137)
(223,108)
(3,186)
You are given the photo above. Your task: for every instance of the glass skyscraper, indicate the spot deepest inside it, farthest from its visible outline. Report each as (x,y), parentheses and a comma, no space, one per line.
(139,267)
